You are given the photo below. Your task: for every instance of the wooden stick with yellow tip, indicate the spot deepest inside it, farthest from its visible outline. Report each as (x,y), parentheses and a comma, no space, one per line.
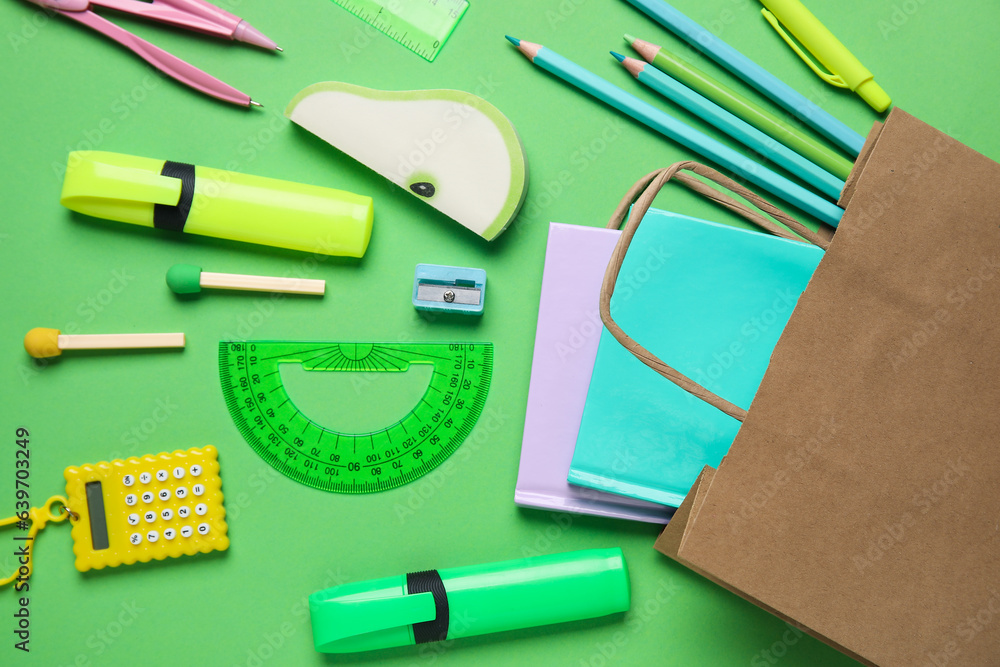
(41,342)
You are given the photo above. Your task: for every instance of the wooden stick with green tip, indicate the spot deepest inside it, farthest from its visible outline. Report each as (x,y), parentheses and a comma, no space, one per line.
(740,106)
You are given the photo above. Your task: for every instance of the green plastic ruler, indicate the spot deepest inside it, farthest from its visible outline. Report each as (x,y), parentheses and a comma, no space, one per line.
(354,462)
(422,26)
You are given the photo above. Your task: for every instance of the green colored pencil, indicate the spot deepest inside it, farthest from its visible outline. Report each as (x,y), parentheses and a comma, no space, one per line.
(740,106)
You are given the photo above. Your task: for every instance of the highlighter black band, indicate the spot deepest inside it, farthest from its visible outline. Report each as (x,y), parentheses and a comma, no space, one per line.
(174,217)
(429,581)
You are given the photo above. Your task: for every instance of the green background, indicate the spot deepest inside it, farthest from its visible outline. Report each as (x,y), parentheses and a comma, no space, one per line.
(65,87)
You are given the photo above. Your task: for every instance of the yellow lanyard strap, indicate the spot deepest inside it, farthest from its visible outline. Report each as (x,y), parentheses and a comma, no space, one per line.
(38,517)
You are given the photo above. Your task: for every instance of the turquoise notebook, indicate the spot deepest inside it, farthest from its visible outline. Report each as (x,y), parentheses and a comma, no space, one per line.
(710,301)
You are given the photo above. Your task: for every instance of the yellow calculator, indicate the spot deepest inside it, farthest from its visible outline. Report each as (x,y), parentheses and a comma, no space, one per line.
(138,509)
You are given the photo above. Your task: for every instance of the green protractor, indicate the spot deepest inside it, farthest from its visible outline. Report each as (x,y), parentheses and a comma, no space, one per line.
(326,459)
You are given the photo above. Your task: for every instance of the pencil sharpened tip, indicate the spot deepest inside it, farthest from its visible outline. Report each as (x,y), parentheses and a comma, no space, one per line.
(256,104)
(629,38)
(619,57)
(513,40)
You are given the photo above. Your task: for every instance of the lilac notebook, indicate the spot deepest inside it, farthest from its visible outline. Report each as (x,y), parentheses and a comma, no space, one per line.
(569,328)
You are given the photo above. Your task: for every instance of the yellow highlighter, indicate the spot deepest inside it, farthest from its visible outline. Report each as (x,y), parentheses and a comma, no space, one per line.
(181,197)
(846,71)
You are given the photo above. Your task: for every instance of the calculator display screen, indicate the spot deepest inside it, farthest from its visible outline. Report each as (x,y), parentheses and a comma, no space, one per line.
(98,523)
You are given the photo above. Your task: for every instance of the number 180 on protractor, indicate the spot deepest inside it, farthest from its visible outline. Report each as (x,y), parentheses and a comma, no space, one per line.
(327,459)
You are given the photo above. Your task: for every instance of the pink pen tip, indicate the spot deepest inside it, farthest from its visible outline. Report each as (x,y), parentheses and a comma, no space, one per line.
(256,104)
(247,33)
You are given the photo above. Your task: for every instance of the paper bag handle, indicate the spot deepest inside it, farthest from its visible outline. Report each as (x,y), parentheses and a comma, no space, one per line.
(639,197)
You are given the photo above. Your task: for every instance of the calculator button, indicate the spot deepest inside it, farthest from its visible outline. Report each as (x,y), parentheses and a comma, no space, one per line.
(186,531)
(200,509)
(195,470)
(152,536)
(135,538)
(181,492)
(183,512)
(147,497)
(130,499)
(203,529)
(128,480)
(164,494)
(149,516)
(133,519)
(169,533)
(167,515)
(145,478)
(162,475)
(198,489)
(179,472)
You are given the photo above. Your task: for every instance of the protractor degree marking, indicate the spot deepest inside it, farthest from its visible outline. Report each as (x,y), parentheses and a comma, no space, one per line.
(423,354)
(270,446)
(355,436)
(287,355)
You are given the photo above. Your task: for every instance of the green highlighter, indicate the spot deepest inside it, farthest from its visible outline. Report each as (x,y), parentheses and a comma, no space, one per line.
(435,605)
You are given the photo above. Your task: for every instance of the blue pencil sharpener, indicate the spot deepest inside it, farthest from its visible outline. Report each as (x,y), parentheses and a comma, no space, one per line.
(449,289)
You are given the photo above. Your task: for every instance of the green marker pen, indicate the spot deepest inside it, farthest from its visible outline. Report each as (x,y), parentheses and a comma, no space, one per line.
(435,605)
(212,202)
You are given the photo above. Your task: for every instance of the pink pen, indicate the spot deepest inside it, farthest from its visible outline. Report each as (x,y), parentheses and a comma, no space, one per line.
(196,15)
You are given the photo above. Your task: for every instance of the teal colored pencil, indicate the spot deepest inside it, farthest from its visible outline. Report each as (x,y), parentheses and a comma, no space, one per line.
(742,107)
(738,129)
(758,77)
(680,132)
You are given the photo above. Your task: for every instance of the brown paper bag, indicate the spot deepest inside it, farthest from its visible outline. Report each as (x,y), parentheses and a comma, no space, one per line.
(860,500)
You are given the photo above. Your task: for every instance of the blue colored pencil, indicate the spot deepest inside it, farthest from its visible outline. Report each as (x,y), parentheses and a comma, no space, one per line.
(680,132)
(740,130)
(752,73)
